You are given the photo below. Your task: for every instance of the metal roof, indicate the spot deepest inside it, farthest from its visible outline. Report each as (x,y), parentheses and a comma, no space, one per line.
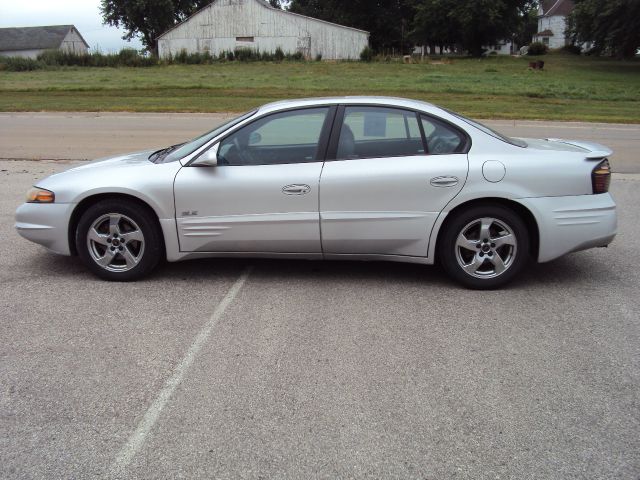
(35,38)
(557,7)
(265,4)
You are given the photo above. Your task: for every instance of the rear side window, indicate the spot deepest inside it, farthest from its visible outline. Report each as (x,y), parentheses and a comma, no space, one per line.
(513,141)
(441,138)
(375,132)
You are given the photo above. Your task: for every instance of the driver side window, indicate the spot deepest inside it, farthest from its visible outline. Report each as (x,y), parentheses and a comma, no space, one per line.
(281,138)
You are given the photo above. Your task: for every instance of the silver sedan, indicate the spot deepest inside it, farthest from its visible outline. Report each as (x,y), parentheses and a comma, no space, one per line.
(359,178)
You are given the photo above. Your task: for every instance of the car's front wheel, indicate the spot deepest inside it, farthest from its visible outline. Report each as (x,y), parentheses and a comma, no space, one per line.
(484,247)
(118,240)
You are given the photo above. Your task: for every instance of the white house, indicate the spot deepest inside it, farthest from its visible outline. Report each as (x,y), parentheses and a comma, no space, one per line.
(504,47)
(226,25)
(552,23)
(32,41)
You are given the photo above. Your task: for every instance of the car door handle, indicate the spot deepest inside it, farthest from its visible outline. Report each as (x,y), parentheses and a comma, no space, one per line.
(444,181)
(296,189)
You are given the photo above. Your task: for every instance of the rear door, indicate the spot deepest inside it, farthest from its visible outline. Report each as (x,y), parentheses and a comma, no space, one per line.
(393,171)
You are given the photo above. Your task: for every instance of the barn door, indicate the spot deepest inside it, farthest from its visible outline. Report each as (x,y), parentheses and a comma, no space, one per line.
(304,46)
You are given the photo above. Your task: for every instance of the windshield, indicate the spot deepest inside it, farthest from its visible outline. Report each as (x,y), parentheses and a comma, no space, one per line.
(489,131)
(190,147)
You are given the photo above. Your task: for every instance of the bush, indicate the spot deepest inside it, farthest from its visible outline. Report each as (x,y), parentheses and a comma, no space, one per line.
(537,48)
(20,64)
(100,60)
(267,56)
(196,58)
(252,55)
(53,58)
(247,55)
(295,57)
(128,57)
(367,54)
(572,49)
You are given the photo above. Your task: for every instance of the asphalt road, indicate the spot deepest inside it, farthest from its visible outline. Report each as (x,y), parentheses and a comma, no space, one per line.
(293,369)
(82,136)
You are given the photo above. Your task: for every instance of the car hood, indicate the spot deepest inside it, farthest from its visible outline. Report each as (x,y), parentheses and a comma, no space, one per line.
(131,174)
(591,149)
(130,159)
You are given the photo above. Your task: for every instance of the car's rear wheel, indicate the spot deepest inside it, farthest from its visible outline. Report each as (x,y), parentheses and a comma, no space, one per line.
(484,247)
(119,240)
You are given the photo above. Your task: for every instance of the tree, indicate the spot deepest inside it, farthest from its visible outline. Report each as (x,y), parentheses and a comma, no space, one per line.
(612,26)
(386,20)
(473,24)
(147,19)
(282,4)
(527,27)
(433,26)
(486,22)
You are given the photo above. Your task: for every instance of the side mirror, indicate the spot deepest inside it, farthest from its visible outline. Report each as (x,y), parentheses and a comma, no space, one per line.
(208,158)
(255,138)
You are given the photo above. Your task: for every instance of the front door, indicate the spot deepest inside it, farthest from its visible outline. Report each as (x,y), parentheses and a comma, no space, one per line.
(394,172)
(263,195)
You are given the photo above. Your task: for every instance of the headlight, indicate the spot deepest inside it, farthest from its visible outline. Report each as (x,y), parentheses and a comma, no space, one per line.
(40,195)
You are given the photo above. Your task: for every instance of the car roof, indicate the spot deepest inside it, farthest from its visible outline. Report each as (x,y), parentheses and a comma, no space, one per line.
(349,100)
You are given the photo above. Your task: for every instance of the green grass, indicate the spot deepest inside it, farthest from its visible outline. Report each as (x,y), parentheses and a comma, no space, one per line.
(570,88)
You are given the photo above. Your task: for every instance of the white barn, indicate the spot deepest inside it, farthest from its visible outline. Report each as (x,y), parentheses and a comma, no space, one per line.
(227,25)
(30,42)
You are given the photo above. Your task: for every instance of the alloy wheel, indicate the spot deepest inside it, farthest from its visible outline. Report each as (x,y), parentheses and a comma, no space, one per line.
(115,242)
(486,248)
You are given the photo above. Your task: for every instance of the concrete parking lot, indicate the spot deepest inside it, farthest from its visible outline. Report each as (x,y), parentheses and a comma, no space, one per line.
(292,369)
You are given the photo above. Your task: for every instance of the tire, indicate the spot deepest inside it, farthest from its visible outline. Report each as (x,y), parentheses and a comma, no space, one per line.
(119,240)
(484,247)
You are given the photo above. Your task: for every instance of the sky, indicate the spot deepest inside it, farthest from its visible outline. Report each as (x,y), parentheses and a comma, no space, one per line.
(84,14)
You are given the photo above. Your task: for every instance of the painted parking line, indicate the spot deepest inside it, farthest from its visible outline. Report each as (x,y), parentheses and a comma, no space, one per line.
(139,436)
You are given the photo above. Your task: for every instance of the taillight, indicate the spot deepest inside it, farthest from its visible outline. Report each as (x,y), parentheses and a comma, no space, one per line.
(601,177)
